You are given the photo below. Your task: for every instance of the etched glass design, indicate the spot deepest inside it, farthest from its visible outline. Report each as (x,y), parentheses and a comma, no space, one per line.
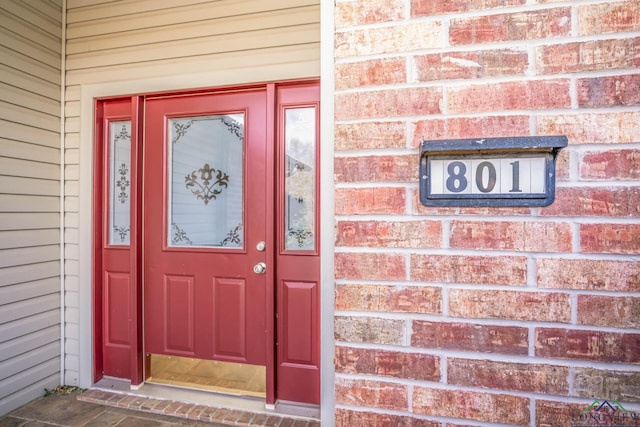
(300,178)
(206,181)
(119,182)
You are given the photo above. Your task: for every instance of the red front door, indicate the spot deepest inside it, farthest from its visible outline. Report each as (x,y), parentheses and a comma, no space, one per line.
(207,222)
(205,206)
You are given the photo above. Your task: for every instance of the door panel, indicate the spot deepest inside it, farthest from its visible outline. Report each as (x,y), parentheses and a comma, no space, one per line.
(178,320)
(229,317)
(205,208)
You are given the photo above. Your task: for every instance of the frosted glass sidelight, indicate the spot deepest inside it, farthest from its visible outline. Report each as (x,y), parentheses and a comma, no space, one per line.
(205,188)
(119,182)
(300,178)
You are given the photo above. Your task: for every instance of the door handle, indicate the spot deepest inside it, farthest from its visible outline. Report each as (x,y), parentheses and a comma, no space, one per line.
(260,268)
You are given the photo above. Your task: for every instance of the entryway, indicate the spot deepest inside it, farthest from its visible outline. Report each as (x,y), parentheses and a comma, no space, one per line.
(207,222)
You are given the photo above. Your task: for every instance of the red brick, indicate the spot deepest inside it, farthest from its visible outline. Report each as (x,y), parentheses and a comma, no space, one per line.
(602,310)
(367,12)
(127,401)
(607,384)
(388,103)
(593,128)
(537,24)
(399,234)
(563,165)
(516,95)
(526,377)
(469,269)
(396,39)
(395,299)
(417,208)
(375,394)
(430,7)
(472,405)
(593,55)
(518,236)
(415,366)
(609,91)
(370,73)
(597,346)
(516,305)
(376,169)
(608,17)
(610,238)
(469,127)
(370,135)
(586,274)
(367,201)
(369,266)
(552,414)
(471,65)
(369,330)
(611,164)
(470,337)
(350,418)
(595,202)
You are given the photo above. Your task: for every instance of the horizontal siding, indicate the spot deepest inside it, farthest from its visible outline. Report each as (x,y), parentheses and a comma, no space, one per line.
(29,255)
(25,115)
(20,185)
(212,45)
(36,15)
(27,151)
(29,169)
(131,15)
(23,274)
(19,80)
(25,203)
(148,39)
(24,238)
(233,62)
(190,30)
(33,289)
(30,47)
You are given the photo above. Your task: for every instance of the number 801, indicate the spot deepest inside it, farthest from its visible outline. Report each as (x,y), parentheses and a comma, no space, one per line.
(484,176)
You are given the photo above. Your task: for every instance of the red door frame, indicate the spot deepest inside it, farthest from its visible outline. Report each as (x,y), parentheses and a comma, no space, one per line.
(276,386)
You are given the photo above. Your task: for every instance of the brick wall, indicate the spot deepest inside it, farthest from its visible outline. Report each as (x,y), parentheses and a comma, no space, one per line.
(470,316)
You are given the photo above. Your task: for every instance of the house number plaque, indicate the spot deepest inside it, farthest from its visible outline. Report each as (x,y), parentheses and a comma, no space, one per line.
(489,171)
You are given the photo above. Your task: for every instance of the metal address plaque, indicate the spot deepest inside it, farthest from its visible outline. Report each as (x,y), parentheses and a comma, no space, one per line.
(489,172)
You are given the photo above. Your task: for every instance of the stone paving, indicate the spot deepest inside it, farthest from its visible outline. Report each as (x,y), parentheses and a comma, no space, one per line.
(103,408)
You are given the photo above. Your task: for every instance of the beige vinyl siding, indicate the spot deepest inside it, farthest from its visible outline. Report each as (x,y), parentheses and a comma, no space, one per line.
(148,40)
(30,48)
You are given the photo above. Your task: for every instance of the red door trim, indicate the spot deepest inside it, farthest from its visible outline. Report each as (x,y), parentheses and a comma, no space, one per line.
(98,184)
(136,325)
(271,257)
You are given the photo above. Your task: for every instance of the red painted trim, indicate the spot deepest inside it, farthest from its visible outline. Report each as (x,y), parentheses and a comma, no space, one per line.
(135,329)
(98,179)
(271,246)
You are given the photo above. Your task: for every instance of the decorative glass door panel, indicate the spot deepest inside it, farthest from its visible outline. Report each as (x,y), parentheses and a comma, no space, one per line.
(206,181)
(300,178)
(119,182)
